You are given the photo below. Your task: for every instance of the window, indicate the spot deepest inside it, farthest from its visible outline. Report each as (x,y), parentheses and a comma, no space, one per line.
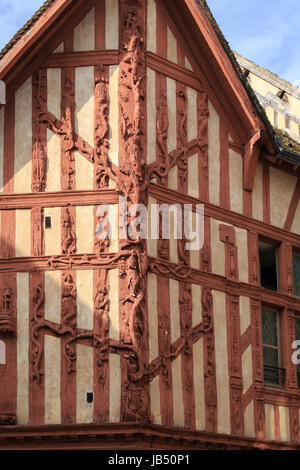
(47,222)
(268,265)
(296,275)
(297,336)
(273,373)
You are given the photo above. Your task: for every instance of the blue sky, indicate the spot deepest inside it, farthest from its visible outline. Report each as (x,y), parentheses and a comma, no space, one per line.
(265,31)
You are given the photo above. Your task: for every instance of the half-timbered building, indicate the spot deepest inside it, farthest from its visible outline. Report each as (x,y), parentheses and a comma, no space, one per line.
(122,343)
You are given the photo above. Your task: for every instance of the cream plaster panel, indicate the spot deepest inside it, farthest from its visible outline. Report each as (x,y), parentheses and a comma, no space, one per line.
(85,299)
(282,186)
(245,316)
(284,418)
(54,92)
(193,176)
(155,400)
(85,227)
(187,64)
(23,233)
(199,384)
(53,296)
(151,242)
(84,33)
(270,422)
(173,178)
(84,171)
(296,222)
(84,383)
(249,420)
(214,155)
(257,193)
(151,26)
(197,305)
(53,234)
(115,388)
(114,328)
(178,405)
(1,147)
(172,46)
(192,113)
(242,245)
(153,322)
(113,117)
(222,377)
(52,380)
(236,181)
(247,369)
(53,183)
(59,49)
(112,24)
(22,348)
(114,224)
(174,310)
(84,103)
(23,138)
(217,248)
(151,116)
(172,114)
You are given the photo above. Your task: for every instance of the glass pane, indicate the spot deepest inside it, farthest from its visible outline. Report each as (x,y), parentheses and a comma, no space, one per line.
(269,327)
(296,274)
(271,370)
(270,357)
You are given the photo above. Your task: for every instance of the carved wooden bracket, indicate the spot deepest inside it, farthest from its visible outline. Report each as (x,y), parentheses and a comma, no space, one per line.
(252,149)
(8,326)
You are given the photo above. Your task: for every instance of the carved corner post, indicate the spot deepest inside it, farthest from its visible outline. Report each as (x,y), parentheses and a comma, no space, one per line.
(182,137)
(101,345)
(210,384)
(235,364)
(133,184)
(101,174)
(37,232)
(203,117)
(186,324)
(258,368)
(8,334)
(164,345)
(205,252)
(39,132)
(68,346)
(253,258)
(227,236)
(36,348)
(67,131)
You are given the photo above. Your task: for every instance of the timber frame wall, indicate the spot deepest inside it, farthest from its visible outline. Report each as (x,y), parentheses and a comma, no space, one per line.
(128,434)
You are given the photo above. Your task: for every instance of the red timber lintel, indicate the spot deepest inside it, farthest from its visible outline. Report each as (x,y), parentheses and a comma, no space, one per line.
(126,436)
(82,59)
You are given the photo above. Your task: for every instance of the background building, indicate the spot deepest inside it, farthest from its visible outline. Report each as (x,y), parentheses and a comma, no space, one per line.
(122,344)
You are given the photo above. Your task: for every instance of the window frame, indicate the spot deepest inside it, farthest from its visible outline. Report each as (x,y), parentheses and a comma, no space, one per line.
(279,348)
